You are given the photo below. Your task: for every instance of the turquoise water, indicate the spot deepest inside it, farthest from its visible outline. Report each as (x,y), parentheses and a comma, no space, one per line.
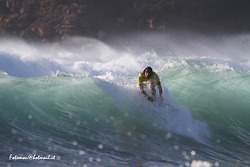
(86,110)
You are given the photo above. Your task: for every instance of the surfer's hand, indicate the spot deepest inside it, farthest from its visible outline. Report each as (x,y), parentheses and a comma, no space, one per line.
(151,99)
(161,100)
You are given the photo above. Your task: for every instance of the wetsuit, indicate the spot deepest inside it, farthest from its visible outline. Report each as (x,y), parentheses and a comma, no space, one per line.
(154,79)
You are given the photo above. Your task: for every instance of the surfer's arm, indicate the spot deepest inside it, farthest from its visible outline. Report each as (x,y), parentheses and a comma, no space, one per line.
(160,88)
(144,93)
(141,79)
(158,83)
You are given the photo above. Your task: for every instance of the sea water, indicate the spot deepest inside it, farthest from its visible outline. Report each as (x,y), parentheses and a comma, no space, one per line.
(77,103)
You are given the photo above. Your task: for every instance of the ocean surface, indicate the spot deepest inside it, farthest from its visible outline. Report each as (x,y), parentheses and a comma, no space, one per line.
(77,103)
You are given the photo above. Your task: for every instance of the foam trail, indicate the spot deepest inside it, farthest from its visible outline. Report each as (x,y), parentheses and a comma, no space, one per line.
(167,116)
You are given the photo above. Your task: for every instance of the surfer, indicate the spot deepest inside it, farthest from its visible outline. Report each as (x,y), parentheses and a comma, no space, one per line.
(148,75)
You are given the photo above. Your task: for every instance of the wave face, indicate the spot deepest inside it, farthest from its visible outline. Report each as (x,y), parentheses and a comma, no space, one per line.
(79,100)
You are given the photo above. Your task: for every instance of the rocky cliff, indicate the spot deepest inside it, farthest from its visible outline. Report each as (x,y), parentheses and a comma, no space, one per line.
(55,19)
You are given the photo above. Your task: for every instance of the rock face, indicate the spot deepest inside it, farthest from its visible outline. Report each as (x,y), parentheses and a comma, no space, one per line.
(54,19)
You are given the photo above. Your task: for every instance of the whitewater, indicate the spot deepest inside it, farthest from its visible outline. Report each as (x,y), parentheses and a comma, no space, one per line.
(77,103)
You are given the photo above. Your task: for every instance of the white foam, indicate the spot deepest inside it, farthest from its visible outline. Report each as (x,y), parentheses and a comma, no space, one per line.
(178,119)
(81,55)
(74,56)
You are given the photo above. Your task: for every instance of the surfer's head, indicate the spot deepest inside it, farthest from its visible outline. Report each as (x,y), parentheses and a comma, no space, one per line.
(148,72)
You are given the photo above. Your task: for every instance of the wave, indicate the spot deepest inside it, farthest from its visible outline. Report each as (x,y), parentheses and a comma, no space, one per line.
(89,56)
(81,97)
